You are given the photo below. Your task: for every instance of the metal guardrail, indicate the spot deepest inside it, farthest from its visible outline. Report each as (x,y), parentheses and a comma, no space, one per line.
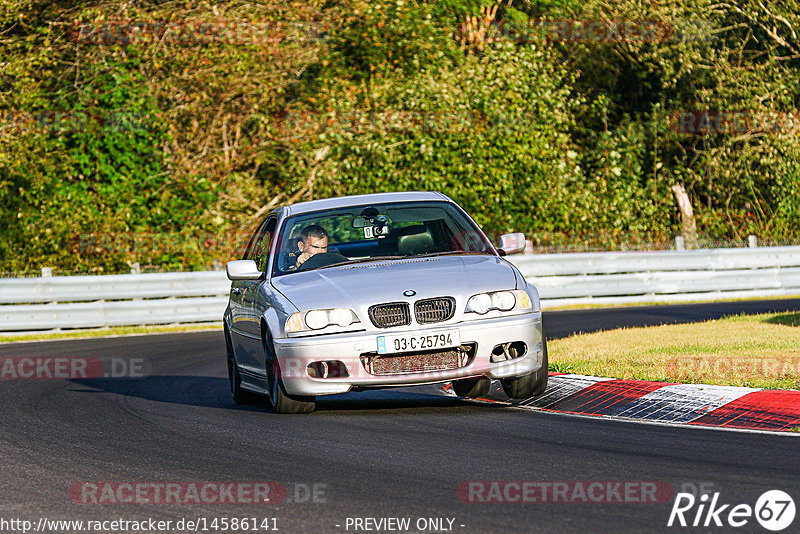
(662,276)
(51,302)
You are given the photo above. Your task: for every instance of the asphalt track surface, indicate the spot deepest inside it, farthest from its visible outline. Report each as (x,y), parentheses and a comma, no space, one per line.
(389,453)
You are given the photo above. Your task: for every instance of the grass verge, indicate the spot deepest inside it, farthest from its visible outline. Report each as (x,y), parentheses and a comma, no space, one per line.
(662,303)
(111,331)
(744,350)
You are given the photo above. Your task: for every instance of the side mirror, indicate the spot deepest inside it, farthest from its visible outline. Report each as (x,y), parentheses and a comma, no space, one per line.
(242,270)
(511,244)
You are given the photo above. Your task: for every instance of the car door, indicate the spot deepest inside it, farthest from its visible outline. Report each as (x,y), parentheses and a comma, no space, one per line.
(238,313)
(250,314)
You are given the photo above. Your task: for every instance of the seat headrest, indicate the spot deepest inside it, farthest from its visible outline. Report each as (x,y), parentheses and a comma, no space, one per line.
(415,244)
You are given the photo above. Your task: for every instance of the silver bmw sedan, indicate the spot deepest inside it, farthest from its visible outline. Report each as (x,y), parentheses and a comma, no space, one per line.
(375,291)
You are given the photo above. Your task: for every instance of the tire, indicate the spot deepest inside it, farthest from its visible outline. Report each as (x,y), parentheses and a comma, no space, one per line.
(240,396)
(281,401)
(472,387)
(530,385)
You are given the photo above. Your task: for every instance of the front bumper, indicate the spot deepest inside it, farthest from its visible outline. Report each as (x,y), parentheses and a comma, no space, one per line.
(295,354)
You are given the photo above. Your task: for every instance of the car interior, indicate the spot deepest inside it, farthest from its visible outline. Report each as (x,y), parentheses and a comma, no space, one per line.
(398,232)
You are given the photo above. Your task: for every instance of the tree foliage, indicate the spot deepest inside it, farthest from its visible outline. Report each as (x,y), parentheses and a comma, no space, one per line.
(212,114)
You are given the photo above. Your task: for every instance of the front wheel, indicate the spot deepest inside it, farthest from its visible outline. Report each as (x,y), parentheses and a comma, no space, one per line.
(281,401)
(530,385)
(472,388)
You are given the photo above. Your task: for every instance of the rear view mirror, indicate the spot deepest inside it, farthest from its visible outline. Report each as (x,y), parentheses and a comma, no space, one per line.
(511,243)
(242,270)
(361,222)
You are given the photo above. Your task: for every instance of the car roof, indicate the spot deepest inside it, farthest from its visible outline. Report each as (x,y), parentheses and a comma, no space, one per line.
(363,200)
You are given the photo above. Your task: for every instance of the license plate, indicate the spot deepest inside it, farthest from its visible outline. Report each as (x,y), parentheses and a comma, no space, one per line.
(418,341)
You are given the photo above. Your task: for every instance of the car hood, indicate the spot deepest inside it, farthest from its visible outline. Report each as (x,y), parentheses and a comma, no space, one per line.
(361,285)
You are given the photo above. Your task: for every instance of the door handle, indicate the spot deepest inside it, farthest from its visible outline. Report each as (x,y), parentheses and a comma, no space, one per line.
(237,290)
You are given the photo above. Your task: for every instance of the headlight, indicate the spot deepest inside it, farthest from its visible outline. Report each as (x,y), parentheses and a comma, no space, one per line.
(319,319)
(499,300)
(480,303)
(316,319)
(503,300)
(341,317)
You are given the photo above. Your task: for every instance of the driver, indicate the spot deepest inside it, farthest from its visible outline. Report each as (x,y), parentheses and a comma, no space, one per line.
(313,240)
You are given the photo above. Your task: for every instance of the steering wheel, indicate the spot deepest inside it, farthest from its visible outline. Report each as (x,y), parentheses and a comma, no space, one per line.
(322,259)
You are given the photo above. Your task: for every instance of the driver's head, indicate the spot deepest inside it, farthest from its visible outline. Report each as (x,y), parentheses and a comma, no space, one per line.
(313,240)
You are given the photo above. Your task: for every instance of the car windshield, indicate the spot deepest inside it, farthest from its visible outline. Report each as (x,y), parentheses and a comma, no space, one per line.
(377,232)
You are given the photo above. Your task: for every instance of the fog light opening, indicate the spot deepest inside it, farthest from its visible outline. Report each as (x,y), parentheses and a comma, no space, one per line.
(499,353)
(517,349)
(327,369)
(508,351)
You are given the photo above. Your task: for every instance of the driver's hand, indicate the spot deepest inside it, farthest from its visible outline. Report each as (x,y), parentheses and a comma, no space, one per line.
(303,257)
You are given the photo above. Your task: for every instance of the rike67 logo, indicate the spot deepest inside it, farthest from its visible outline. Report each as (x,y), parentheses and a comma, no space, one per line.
(774,510)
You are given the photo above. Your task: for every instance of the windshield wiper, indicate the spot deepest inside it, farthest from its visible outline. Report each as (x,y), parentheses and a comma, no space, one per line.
(388,258)
(452,253)
(362,260)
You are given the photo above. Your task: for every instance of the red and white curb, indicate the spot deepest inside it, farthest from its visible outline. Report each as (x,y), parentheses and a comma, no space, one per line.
(663,402)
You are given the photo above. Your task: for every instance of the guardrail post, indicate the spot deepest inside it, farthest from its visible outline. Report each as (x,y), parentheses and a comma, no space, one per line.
(528,246)
(47,272)
(136,268)
(680,243)
(752,242)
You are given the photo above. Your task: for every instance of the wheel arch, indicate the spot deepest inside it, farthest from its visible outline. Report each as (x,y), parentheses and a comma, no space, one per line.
(270,325)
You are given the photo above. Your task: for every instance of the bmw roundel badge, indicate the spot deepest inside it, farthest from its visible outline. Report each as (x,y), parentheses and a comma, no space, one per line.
(409,292)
